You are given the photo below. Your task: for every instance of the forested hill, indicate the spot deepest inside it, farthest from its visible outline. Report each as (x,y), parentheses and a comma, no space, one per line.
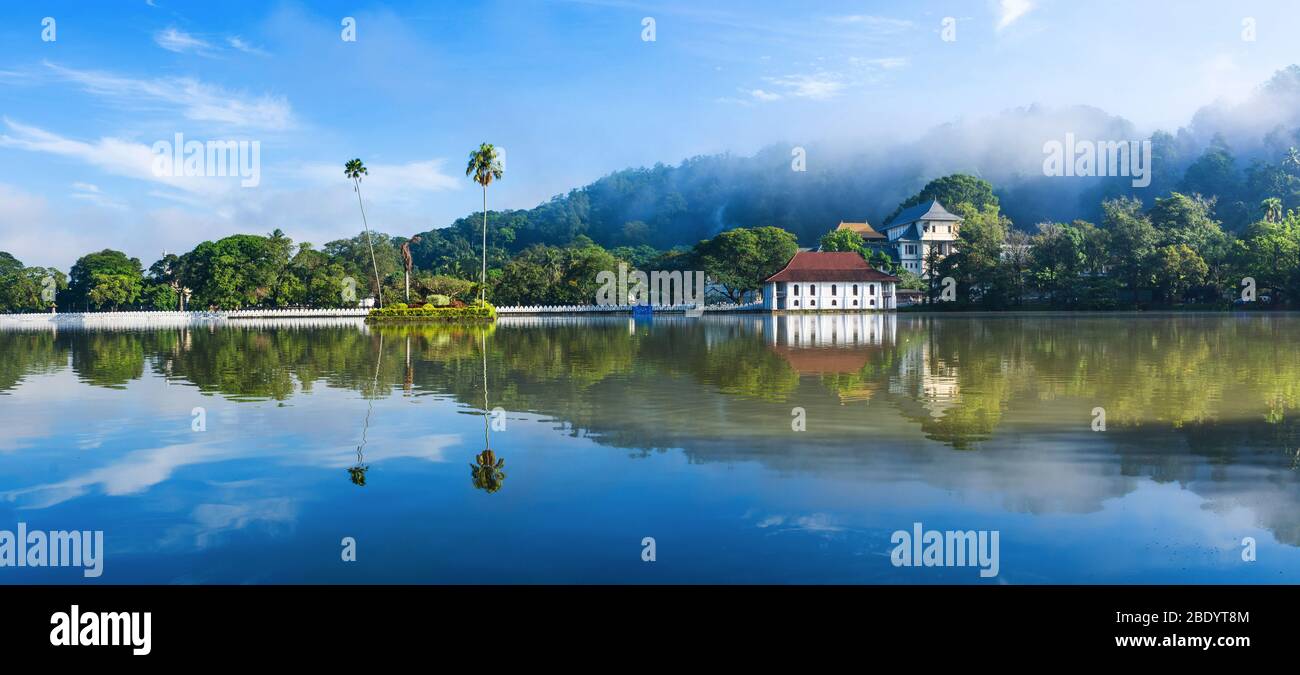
(1236,153)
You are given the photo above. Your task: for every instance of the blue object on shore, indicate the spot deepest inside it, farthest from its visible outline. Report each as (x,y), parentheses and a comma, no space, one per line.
(643,311)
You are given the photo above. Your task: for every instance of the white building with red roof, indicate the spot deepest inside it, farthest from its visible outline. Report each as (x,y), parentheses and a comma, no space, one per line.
(820,281)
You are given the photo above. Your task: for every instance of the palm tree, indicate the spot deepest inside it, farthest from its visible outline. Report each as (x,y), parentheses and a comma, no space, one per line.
(1272,209)
(484,167)
(354,169)
(1292,160)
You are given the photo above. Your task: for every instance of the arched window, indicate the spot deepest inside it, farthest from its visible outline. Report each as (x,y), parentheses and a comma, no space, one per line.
(812,289)
(796,289)
(872,288)
(832,301)
(832,290)
(855,289)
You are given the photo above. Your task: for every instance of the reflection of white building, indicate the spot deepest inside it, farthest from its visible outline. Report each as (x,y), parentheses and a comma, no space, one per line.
(835,330)
(835,344)
(818,281)
(929,379)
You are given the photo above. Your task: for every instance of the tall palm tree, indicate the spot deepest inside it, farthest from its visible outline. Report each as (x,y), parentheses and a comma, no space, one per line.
(484,167)
(354,169)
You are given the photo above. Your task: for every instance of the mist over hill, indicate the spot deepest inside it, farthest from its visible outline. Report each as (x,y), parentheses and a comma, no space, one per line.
(1224,152)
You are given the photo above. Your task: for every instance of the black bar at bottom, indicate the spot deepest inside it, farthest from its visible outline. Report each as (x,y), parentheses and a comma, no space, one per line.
(232,623)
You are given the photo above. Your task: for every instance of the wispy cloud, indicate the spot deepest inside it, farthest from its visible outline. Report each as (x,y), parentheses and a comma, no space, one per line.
(815,86)
(396,182)
(242,45)
(176,40)
(886,63)
(761,95)
(90,192)
(197,101)
(880,23)
(1010,11)
(112,155)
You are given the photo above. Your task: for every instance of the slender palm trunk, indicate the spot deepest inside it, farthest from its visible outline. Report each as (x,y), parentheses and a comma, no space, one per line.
(379,289)
(482,279)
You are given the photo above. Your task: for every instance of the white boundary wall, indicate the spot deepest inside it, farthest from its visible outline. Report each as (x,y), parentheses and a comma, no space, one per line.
(128,320)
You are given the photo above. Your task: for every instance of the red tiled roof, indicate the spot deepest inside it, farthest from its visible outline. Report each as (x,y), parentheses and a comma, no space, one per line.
(863,229)
(829,266)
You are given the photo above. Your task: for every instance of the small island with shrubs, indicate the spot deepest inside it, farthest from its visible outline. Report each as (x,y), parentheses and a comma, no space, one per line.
(439,308)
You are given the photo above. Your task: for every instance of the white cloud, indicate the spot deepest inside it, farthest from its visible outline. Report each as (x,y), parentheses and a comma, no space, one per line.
(817,86)
(197,100)
(313,202)
(393,182)
(239,43)
(881,23)
(112,155)
(176,40)
(886,63)
(90,192)
(1009,11)
(761,95)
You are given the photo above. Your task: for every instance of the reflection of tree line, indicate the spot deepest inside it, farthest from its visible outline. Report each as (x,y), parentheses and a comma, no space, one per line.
(1169,373)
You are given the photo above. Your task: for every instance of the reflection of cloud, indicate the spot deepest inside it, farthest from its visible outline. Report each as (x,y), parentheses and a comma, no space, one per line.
(813,523)
(430,448)
(133,473)
(214,519)
(142,469)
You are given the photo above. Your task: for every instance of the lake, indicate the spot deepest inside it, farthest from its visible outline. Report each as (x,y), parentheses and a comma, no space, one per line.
(749,448)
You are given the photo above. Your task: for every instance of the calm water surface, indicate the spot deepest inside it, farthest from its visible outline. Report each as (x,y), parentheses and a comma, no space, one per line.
(612,430)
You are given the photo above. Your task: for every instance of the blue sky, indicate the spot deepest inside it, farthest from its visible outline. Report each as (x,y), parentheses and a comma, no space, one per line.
(568,88)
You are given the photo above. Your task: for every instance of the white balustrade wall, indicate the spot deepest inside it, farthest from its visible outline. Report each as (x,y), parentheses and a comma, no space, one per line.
(291,317)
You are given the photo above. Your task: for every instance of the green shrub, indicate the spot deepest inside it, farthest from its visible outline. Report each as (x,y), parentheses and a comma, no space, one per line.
(469,313)
(440,300)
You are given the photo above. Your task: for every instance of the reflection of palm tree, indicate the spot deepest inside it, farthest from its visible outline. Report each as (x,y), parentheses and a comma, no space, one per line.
(358,473)
(486,472)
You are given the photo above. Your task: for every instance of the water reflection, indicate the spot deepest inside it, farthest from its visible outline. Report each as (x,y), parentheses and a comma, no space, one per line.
(486,471)
(993,408)
(357,472)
